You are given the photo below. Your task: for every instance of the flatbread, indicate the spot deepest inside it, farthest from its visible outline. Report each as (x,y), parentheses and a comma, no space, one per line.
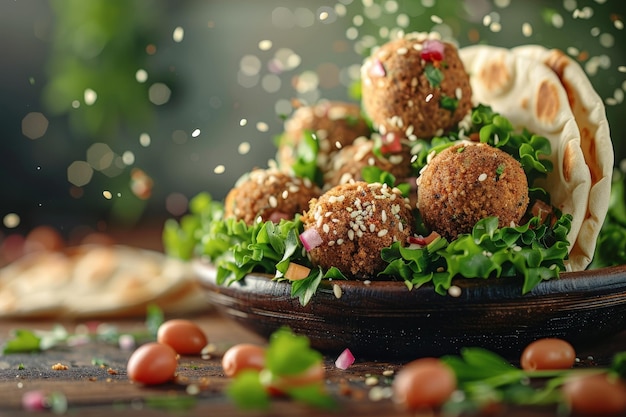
(595,139)
(97,281)
(531,96)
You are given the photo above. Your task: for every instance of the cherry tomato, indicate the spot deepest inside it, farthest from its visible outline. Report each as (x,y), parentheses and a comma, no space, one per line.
(243,356)
(184,336)
(152,363)
(549,353)
(423,383)
(595,394)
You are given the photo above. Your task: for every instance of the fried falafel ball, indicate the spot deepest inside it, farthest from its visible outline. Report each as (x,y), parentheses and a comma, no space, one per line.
(347,164)
(334,123)
(355,221)
(268,194)
(415,86)
(469,182)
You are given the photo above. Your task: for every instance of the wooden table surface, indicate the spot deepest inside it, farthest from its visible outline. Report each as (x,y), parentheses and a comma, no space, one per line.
(105,390)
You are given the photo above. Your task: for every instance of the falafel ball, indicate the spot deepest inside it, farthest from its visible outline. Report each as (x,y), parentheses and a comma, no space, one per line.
(334,123)
(416,86)
(347,164)
(469,182)
(268,194)
(355,221)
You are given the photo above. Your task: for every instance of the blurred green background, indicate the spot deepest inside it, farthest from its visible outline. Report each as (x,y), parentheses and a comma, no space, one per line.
(114,113)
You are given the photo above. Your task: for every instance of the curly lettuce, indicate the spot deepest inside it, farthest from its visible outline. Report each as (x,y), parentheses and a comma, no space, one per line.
(535,251)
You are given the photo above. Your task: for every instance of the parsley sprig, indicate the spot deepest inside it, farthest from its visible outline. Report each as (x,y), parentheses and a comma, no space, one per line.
(287,355)
(485,378)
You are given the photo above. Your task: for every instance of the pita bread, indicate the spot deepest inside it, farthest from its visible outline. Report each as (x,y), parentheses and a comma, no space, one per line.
(97,281)
(595,140)
(531,96)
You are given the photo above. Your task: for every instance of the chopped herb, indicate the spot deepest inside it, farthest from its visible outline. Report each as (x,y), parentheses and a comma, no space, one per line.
(500,170)
(21,367)
(99,362)
(433,75)
(448,103)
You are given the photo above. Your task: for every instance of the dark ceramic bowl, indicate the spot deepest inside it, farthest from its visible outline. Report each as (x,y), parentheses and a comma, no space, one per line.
(384,320)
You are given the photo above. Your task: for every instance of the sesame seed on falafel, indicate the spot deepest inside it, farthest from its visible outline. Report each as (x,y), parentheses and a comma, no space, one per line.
(469,182)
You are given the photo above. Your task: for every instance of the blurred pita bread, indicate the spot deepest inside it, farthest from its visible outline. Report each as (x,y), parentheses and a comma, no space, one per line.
(531,96)
(595,140)
(97,281)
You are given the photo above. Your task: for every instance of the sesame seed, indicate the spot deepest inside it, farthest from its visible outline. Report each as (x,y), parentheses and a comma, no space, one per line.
(372,227)
(402,51)
(454,291)
(326,228)
(482,177)
(396,159)
(371,380)
(340,241)
(382,232)
(337,291)
(285,194)
(331,243)
(429,97)
(351,234)
(273,201)
(383,216)
(436,19)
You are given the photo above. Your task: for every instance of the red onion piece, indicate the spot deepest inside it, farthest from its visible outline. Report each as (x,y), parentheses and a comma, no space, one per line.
(311,239)
(345,359)
(377,69)
(391,143)
(432,50)
(34,400)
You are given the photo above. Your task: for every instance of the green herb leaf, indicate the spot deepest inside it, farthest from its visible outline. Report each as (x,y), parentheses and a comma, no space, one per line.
(448,103)
(290,354)
(23,341)
(433,75)
(247,392)
(306,152)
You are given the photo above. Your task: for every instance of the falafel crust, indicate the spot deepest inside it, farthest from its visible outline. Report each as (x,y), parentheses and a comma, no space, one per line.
(347,164)
(334,123)
(269,194)
(356,221)
(398,95)
(469,182)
